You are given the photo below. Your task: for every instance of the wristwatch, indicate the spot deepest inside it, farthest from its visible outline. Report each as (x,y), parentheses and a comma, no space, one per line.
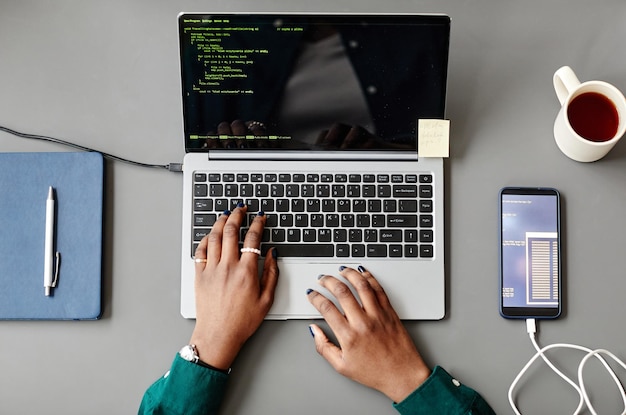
(190,354)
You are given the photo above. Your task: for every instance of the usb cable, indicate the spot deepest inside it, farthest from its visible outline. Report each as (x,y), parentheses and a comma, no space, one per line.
(173,167)
(584,400)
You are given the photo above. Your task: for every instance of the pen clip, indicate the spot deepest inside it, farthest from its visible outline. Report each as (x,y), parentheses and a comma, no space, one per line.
(57,265)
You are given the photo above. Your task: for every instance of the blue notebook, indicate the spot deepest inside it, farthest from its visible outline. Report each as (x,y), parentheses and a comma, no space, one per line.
(77,179)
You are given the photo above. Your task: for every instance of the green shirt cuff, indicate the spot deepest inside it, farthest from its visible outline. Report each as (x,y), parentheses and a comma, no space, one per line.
(442,394)
(187,388)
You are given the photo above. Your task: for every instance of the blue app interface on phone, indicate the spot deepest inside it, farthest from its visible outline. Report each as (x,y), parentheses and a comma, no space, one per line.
(530,251)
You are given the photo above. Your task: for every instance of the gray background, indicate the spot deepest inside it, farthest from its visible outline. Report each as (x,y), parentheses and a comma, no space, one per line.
(106,75)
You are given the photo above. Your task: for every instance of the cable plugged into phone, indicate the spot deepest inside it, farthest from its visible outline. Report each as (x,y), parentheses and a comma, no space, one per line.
(531,329)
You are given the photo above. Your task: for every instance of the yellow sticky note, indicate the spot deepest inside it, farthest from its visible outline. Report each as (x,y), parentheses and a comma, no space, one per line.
(433,138)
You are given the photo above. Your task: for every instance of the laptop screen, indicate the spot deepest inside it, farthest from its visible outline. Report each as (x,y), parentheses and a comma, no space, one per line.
(313,82)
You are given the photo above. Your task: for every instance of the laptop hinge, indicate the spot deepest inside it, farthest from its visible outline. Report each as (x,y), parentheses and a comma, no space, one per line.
(289,155)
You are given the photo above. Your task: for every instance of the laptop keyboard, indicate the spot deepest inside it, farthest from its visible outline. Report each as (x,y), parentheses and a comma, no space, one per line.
(347,215)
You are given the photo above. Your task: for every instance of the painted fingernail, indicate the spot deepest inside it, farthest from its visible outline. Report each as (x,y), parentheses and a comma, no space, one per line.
(240,205)
(274,253)
(311,331)
(227,212)
(319,277)
(361,268)
(261,213)
(341,268)
(308,291)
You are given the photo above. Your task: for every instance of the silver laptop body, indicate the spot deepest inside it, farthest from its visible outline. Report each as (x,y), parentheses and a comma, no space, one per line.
(309,147)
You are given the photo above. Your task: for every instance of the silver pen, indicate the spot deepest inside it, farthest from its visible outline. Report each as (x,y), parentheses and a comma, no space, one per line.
(50,278)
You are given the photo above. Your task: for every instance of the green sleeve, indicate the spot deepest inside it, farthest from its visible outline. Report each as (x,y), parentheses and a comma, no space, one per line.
(442,394)
(187,388)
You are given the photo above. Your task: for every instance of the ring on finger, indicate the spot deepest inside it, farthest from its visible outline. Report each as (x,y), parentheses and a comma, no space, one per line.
(200,260)
(250,250)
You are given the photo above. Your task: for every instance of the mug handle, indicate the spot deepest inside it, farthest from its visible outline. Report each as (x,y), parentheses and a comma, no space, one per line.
(565,81)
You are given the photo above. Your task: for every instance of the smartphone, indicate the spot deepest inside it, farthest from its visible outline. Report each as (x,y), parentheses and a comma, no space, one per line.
(530,253)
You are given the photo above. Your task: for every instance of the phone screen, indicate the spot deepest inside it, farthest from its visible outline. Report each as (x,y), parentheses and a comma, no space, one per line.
(530,253)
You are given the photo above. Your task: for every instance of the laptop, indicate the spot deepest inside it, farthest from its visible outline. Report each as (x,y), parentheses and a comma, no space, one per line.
(312,119)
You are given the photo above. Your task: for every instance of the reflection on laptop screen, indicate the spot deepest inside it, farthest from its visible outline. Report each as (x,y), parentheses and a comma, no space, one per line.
(311,81)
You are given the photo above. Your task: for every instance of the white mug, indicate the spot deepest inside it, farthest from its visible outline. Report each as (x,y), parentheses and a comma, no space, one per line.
(592,118)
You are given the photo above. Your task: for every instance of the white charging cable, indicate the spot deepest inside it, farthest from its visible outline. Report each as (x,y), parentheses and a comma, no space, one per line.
(531,328)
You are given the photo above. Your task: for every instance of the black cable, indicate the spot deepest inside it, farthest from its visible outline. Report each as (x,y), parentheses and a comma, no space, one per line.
(173,167)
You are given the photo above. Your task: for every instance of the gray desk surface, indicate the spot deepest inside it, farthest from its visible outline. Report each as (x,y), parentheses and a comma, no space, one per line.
(106,75)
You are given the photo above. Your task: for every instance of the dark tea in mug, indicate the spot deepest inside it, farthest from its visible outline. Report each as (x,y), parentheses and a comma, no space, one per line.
(593,116)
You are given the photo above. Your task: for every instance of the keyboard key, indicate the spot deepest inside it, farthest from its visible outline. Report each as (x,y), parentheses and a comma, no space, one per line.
(426,235)
(403,221)
(395,251)
(340,235)
(426,178)
(309,235)
(355,235)
(324,235)
(221,205)
(267,205)
(376,251)
(384,190)
(426,191)
(278,235)
(200,233)
(426,251)
(406,191)
(391,235)
(203,205)
(277,190)
(358,250)
(426,206)
(426,221)
(407,206)
(410,235)
(204,220)
(200,190)
(300,250)
(293,235)
(410,251)
(247,190)
(342,250)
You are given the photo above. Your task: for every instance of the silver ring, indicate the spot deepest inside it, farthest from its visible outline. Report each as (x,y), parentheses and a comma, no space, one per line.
(251,250)
(255,124)
(200,260)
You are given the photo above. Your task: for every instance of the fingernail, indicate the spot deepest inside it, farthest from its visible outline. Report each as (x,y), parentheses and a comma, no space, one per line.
(261,213)
(308,291)
(311,331)
(319,277)
(274,253)
(227,212)
(240,205)
(361,268)
(341,268)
